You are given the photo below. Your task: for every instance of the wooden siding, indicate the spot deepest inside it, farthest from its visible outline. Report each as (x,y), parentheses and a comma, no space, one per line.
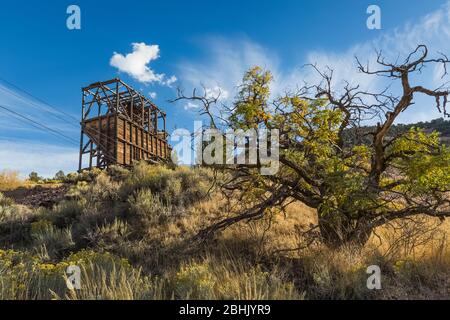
(126,141)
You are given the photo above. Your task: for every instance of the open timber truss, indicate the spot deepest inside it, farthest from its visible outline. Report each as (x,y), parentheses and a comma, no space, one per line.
(119,126)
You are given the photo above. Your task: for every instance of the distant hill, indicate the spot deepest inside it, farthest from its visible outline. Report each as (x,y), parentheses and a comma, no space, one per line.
(440,125)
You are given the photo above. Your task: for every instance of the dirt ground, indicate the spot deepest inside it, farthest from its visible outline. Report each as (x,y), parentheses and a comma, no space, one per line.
(39,195)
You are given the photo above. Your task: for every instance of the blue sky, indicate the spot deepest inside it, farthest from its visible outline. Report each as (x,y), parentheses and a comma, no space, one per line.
(196,42)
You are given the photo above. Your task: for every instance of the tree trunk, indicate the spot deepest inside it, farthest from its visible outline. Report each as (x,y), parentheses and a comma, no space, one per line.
(338,230)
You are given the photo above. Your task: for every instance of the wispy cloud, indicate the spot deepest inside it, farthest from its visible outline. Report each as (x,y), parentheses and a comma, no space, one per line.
(170,81)
(191,106)
(433,30)
(225,64)
(33,154)
(46,159)
(228,59)
(137,64)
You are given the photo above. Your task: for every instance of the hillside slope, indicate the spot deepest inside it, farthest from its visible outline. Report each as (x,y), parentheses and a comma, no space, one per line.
(132,234)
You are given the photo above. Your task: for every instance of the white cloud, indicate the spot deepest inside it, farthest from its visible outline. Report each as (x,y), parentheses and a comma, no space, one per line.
(46,159)
(191,106)
(153,95)
(229,59)
(227,62)
(137,64)
(170,81)
(217,92)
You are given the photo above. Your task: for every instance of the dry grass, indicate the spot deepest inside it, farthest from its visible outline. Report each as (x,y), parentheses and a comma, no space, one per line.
(10,180)
(414,257)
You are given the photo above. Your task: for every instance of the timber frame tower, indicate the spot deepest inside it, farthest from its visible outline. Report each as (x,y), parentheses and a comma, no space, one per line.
(119,126)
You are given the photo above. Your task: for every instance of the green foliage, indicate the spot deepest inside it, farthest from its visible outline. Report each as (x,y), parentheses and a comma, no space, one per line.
(109,234)
(194,282)
(86,175)
(251,108)
(49,238)
(149,208)
(60,176)
(210,279)
(178,186)
(423,161)
(34,177)
(103,276)
(117,173)
(5,201)
(66,212)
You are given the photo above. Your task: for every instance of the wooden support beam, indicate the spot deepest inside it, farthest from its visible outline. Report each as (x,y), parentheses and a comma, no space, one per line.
(124,128)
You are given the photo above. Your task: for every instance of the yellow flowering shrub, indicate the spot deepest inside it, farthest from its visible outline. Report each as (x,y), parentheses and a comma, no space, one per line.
(194,281)
(25,276)
(211,280)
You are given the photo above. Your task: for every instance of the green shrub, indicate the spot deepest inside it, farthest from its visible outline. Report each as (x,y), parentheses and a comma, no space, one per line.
(7,209)
(14,274)
(60,176)
(4,201)
(7,213)
(117,173)
(104,189)
(66,212)
(149,208)
(90,204)
(103,276)
(34,177)
(14,223)
(54,240)
(86,175)
(194,281)
(230,279)
(180,186)
(109,234)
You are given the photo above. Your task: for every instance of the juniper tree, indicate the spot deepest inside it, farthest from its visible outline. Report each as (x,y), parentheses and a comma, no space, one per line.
(326,159)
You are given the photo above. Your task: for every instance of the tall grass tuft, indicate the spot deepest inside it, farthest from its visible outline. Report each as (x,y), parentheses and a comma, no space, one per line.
(9,180)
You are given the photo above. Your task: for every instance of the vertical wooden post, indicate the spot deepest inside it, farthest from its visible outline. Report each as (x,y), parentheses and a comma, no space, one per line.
(142,112)
(99,135)
(165,136)
(80,160)
(90,156)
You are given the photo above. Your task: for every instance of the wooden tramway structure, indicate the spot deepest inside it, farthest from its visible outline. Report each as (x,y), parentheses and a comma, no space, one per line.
(119,126)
